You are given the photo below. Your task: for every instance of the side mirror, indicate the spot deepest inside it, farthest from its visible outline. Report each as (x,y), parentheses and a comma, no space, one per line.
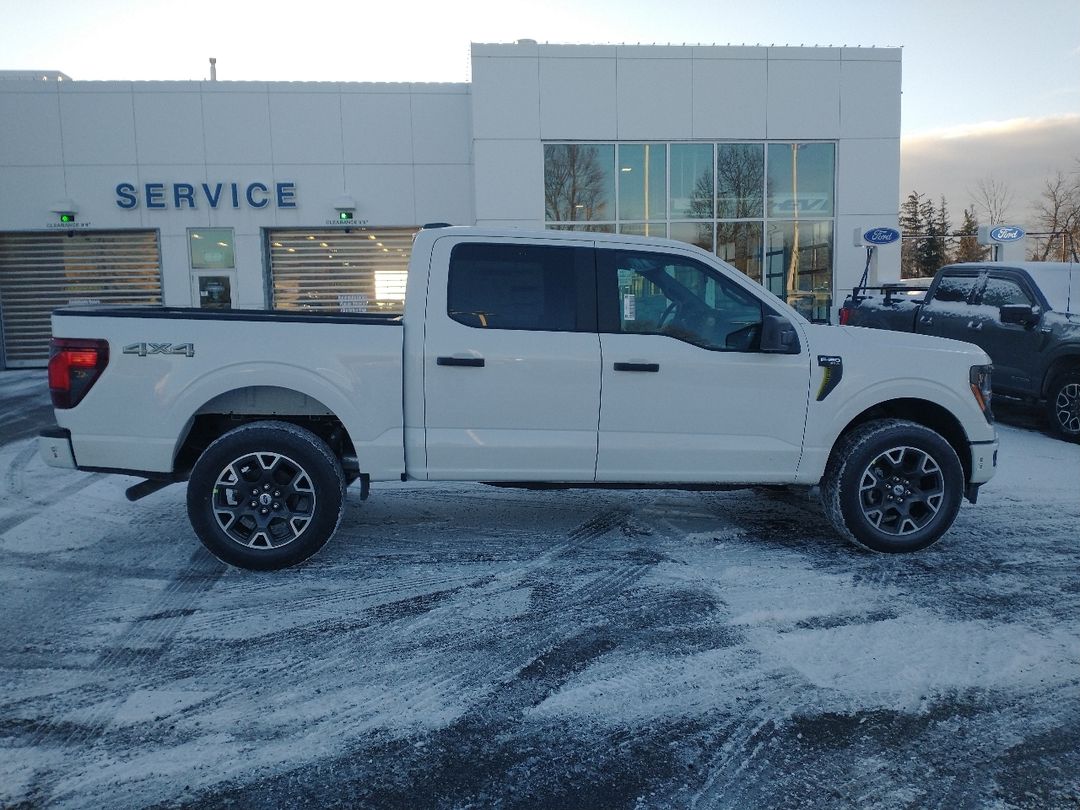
(1023,314)
(779,336)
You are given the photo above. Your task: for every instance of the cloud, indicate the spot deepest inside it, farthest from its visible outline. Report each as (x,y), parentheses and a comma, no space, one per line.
(1020,152)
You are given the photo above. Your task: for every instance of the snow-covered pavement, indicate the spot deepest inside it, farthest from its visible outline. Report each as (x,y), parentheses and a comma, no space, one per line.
(464,646)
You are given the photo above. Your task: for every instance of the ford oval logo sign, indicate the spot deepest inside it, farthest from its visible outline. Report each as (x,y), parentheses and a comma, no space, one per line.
(881,236)
(1007,233)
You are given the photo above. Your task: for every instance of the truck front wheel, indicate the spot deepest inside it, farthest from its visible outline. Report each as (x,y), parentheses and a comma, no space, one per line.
(1063,406)
(893,486)
(266,495)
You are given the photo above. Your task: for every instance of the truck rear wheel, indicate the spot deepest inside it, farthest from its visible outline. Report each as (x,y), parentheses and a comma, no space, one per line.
(1063,406)
(893,486)
(266,495)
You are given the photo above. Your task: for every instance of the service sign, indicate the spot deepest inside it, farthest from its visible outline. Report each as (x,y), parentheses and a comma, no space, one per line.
(881,236)
(1007,233)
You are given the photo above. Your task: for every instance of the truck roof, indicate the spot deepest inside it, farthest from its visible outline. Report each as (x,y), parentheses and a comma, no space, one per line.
(541,233)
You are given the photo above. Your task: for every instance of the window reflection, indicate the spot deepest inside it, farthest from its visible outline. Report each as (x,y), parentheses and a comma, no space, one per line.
(800,180)
(739,244)
(696,233)
(579,182)
(798,265)
(692,180)
(740,175)
(766,208)
(642,181)
(644,228)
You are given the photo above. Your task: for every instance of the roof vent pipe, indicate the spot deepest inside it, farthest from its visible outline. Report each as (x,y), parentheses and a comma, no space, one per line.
(213,69)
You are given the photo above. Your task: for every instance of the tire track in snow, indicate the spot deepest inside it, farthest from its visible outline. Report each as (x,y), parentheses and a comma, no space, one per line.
(135,651)
(60,487)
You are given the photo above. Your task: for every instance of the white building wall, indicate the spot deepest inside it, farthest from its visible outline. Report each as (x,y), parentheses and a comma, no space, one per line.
(402,151)
(415,153)
(525,94)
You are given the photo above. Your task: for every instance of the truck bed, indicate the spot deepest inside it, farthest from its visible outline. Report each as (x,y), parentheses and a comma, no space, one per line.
(169,366)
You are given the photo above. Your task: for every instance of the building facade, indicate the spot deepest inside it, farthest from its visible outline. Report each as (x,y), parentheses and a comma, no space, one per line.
(306,195)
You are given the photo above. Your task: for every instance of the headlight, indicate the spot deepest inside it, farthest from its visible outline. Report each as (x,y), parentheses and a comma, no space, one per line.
(979,377)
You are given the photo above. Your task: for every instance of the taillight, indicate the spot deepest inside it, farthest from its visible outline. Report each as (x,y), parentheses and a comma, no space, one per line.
(74,366)
(845,315)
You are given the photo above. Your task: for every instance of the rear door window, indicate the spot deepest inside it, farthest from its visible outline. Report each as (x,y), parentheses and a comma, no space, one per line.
(955,289)
(522,287)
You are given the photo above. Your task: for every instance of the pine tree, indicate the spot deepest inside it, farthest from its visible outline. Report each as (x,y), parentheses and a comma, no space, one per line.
(930,253)
(912,227)
(969,249)
(948,244)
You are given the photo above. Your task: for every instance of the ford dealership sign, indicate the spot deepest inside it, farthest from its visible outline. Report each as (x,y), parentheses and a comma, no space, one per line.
(1007,233)
(881,236)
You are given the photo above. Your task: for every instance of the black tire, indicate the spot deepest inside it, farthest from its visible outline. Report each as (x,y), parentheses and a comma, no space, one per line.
(1063,406)
(266,495)
(892,486)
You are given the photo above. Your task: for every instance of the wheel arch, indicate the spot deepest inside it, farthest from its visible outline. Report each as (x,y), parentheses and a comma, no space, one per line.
(1062,364)
(255,403)
(920,411)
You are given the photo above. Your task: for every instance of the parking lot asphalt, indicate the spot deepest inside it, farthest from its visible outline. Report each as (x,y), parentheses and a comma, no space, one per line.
(462,646)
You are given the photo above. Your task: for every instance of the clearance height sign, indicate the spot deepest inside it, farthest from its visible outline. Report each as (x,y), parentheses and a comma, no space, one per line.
(214,195)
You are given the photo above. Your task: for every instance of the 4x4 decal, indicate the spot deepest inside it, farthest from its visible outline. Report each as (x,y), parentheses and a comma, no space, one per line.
(143,349)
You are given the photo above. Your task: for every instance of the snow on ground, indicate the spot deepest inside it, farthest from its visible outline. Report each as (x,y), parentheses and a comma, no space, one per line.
(461,646)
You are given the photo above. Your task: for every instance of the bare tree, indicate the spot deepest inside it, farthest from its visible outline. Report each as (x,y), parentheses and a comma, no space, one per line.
(993,197)
(1057,213)
(576,187)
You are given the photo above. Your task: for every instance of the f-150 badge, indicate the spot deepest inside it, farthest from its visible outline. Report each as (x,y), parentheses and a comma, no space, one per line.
(143,349)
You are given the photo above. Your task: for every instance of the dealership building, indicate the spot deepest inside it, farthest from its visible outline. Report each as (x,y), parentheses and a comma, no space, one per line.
(306,195)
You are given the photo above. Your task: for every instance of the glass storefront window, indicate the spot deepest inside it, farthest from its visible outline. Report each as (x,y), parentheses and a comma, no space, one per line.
(768,209)
(696,233)
(579,182)
(211,248)
(642,181)
(593,228)
(692,180)
(801,180)
(798,265)
(644,228)
(740,180)
(739,244)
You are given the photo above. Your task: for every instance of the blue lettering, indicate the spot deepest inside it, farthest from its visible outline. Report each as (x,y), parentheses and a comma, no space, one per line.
(155,195)
(212,198)
(125,196)
(286,195)
(181,192)
(261,203)
(235,196)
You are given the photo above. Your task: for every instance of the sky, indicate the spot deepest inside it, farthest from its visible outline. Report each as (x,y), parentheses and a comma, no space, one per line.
(990,88)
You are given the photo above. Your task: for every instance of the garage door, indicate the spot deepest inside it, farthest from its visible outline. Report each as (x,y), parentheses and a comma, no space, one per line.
(42,271)
(363,270)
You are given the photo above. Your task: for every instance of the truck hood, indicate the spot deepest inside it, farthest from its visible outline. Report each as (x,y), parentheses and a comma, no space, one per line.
(883,343)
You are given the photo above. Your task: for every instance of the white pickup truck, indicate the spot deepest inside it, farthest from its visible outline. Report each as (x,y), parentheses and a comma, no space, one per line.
(533,359)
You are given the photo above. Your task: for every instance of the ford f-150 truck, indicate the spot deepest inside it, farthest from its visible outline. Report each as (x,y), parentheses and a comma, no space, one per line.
(530,359)
(1025,316)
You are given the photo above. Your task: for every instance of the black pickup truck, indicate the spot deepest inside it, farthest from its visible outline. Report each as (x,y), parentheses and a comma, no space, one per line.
(1026,316)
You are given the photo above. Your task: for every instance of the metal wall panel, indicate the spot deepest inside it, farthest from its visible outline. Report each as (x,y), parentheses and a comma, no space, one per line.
(42,271)
(324,270)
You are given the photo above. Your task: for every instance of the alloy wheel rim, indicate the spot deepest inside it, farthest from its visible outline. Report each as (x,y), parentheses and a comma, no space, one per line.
(263,500)
(1067,407)
(901,491)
